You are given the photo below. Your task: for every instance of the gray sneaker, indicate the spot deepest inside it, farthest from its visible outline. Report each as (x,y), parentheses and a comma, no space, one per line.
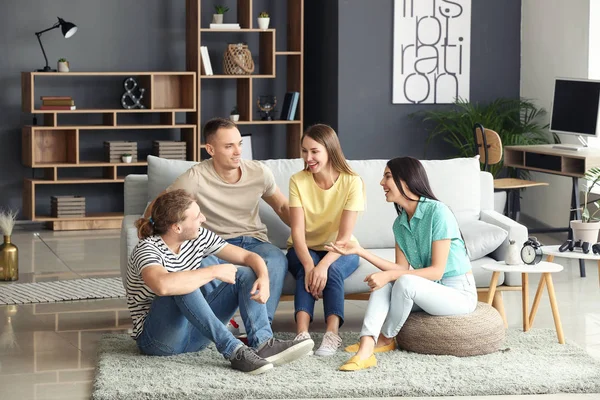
(246,360)
(284,351)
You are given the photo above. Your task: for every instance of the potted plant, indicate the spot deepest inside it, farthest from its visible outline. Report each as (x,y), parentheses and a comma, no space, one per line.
(220,10)
(586,229)
(517,121)
(263,20)
(62,65)
(126,157)
(9,253)
(235,114)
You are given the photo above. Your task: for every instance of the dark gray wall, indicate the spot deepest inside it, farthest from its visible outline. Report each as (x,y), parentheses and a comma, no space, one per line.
(113,35)
(348,73)
(369,125)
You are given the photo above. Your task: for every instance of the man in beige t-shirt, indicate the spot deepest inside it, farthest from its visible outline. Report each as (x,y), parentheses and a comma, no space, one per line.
(228,191)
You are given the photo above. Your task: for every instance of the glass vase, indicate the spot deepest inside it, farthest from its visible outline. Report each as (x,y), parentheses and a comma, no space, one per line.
(9,260)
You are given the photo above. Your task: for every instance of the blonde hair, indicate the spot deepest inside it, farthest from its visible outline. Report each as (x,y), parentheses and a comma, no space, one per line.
(167,210)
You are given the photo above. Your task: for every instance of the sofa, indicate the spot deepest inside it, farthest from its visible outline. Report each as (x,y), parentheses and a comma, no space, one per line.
(458,182)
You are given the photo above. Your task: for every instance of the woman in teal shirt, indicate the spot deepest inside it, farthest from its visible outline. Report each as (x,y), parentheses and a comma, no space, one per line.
(428,239)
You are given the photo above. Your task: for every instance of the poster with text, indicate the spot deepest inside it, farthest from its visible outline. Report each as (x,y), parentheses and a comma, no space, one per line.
(432,51)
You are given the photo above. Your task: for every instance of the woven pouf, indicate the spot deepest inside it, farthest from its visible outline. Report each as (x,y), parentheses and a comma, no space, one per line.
(477,333)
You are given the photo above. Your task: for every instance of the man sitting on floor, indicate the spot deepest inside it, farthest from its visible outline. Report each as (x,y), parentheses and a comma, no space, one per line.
(170,313)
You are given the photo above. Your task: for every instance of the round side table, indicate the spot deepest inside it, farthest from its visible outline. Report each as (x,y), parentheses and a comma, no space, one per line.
(546,269)
(552,251)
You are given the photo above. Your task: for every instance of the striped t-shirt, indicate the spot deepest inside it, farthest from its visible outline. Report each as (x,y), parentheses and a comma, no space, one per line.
(154,251)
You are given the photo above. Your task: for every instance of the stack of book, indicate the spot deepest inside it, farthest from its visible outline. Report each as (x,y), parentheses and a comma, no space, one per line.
(290,105)
(115,149)
(67,206)
(224,26)
(57,103)
(169,149)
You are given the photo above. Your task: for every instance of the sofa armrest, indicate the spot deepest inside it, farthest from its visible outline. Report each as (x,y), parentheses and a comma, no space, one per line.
(128,241)
(136,194)
(516,231)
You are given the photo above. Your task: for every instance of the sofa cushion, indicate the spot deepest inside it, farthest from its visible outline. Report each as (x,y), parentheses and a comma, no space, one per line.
(162,172)
(482,238)
(282,171)
(457,183)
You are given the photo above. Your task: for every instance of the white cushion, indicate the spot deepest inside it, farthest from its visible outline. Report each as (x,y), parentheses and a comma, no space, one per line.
(457,183)
(482,238)
(162,172)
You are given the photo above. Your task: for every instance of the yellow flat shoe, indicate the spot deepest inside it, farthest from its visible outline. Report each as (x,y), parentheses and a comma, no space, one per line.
(356,364)
(353,348)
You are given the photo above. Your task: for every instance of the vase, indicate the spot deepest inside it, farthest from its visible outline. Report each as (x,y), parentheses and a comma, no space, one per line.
(127,159)
(513,254)
(9,260)
(234,117)
(217,19)
(263,23)
(585,231)
(63,66)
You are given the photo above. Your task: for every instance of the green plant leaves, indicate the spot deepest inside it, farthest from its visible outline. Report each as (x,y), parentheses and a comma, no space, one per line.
(517,121)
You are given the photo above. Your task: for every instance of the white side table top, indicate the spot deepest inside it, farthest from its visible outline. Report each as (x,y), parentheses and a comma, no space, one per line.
(576,253)
(541,267)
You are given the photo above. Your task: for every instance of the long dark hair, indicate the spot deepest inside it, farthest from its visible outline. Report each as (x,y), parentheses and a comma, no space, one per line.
(412,172)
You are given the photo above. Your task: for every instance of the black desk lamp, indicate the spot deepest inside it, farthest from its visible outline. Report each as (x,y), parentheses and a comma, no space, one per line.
(68,30)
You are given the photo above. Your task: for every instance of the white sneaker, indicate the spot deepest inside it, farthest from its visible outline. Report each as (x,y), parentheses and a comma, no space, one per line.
(302,336)
(331,342)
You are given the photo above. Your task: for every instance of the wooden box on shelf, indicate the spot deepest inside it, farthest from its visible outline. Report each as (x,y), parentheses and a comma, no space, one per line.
(67,206)
(113,150)
(169,149)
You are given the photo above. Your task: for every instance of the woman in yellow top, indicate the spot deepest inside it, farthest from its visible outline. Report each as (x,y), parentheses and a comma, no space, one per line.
(325,199)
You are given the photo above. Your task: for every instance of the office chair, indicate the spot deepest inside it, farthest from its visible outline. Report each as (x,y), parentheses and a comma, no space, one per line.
(489,147)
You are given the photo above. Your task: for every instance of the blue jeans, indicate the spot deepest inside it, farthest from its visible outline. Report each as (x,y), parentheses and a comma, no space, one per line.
(190,322)
(333,294)
(276,265)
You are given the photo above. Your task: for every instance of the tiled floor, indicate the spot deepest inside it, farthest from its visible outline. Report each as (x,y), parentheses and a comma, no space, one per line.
(48,351)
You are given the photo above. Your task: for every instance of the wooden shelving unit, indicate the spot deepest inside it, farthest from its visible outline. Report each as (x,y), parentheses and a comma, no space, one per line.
(54,146)
(267,61)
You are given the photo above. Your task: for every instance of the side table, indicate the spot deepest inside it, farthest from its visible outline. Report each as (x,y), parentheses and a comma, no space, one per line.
(552,251)
(546,269)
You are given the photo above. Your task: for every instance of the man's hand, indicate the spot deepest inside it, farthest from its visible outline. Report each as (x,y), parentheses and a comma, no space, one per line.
(225,272)
(378,280)
(260,290)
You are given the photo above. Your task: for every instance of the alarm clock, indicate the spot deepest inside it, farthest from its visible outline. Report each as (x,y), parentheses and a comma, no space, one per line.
(531,253)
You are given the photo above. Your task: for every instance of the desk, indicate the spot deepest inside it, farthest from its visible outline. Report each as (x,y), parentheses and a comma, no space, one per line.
(568,163)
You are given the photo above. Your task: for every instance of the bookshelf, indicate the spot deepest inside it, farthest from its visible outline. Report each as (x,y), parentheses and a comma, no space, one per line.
(266,58)
(53,147)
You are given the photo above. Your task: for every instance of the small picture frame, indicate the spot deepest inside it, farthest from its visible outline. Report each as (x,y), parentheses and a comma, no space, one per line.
(247,147)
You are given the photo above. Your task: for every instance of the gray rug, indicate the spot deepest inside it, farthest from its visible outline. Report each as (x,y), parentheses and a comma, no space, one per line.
(529,363)
(75,289)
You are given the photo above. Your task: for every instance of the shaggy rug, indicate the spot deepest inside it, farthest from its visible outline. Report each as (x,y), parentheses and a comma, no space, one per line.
(529,363)
(74,289)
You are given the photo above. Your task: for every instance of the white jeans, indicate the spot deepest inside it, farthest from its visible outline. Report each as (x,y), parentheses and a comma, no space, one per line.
(390,306)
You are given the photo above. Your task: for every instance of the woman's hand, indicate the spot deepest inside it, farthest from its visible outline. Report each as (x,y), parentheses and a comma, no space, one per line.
(378,280)
(260,290)
(308,270)
(318,281)
(345,248)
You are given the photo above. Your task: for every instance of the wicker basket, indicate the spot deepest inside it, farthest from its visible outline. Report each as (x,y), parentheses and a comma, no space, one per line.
(237,60)
(480,332)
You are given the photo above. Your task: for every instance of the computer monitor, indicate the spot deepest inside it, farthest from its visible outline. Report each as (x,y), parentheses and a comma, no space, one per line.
(576,109)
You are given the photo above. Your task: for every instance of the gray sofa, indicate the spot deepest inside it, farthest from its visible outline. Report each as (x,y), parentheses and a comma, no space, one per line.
(457,182)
